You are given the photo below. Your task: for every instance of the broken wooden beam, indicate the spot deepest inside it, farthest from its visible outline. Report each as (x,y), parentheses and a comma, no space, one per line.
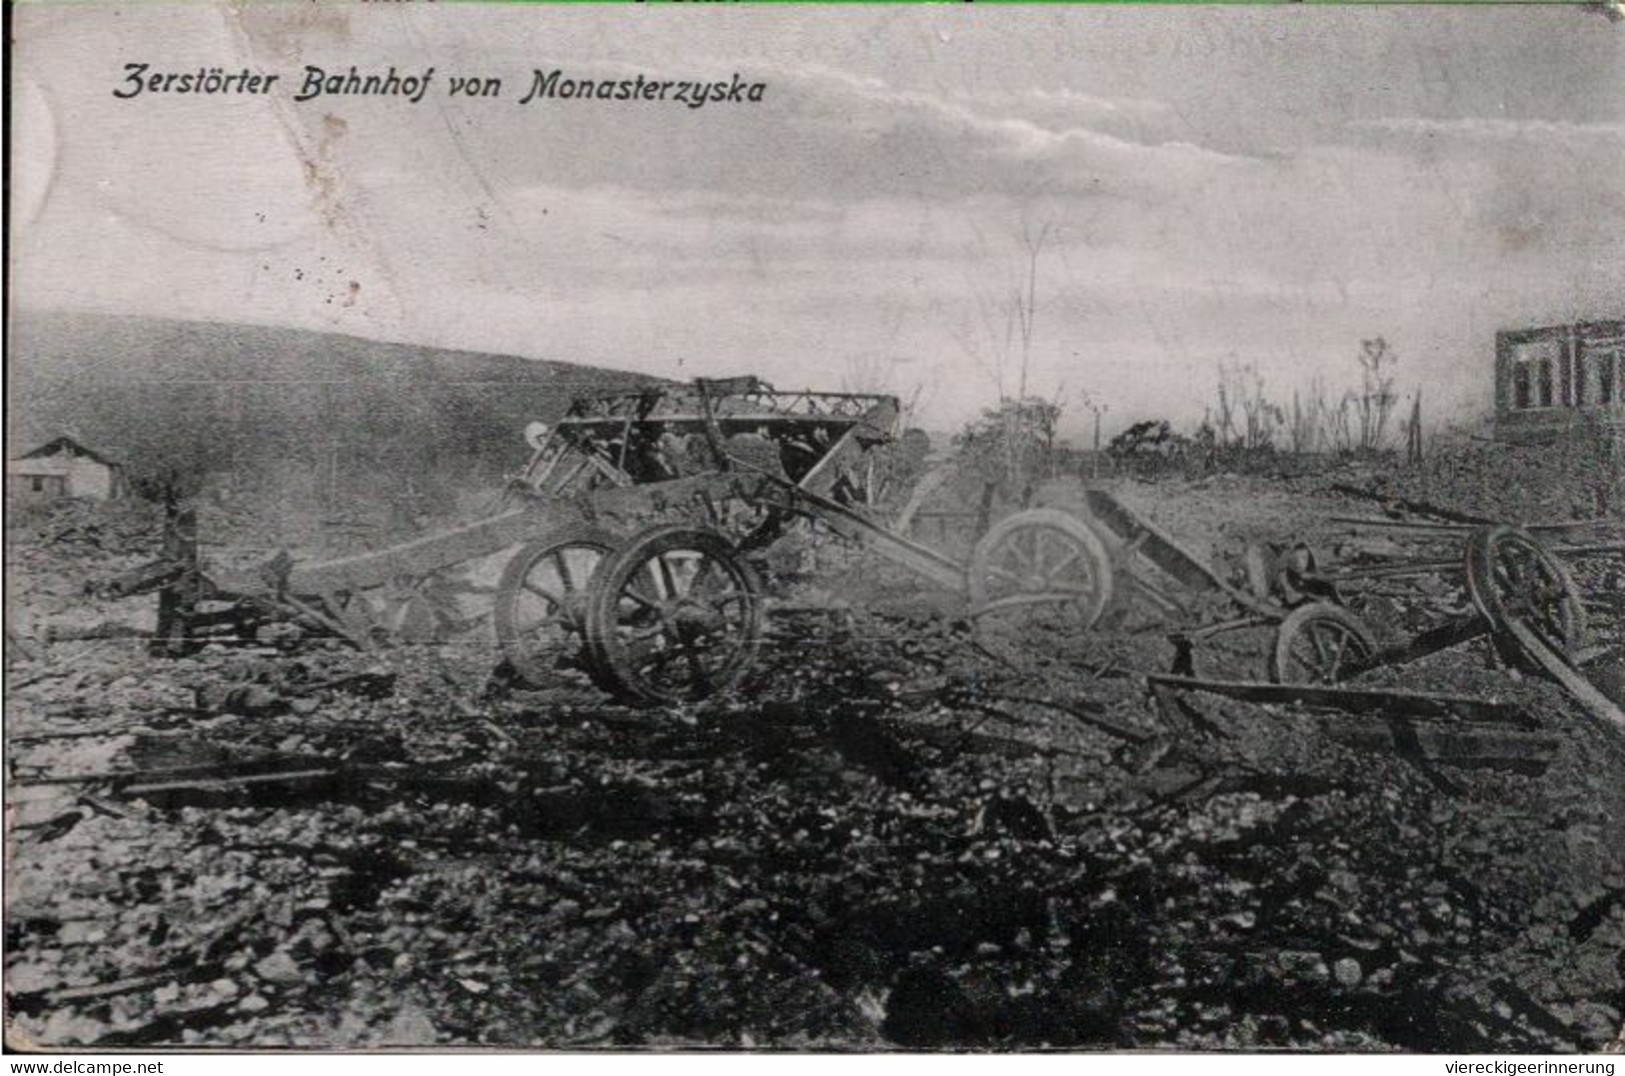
(1426,730)
(1401,524)
(222,769)
(1430,525)
(1474,747)
(1575,524)
(1556,666)
(212,784)
(1452,633)
(1161,549)
(1351,700)
(1157,596)
(1418,507)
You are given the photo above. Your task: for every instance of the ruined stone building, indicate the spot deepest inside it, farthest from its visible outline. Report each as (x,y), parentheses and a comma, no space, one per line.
(1556,378)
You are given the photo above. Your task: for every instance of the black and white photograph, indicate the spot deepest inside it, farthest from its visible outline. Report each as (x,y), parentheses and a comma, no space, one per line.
(863,528)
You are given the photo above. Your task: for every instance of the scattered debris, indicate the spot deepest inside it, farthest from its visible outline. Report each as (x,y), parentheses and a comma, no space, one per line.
(890,839)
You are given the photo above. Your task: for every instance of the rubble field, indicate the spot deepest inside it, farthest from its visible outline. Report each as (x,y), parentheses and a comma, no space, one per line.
(903,834)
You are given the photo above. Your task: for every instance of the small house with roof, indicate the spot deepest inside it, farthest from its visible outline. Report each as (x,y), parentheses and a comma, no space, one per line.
(64,468)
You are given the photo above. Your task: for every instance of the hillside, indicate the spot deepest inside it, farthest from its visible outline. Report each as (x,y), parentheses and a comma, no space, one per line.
(298,417)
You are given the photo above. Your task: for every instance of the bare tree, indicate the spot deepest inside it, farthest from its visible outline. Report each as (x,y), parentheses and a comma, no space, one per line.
(1376,399)
(1020,431)
(1246,417)
(1026,303)
(1003,323)
(1312,421)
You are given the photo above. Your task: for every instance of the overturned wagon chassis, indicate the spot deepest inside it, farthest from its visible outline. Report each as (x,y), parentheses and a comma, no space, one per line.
(1519,595)
(673,612)
(666,613)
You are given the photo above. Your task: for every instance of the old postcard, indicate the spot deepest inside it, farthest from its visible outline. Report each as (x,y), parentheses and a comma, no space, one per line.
(799,528)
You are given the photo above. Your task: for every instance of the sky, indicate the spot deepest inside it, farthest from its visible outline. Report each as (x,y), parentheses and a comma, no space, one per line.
(1200,185)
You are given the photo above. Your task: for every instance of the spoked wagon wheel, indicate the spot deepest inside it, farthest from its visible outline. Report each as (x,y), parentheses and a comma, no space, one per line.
(1513,579)
(1037,561)
(542,598)
(1320,643)
(674,616)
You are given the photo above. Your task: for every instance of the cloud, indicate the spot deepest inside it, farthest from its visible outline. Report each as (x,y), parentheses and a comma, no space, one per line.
(818,135)
(1494,129)
(845,215)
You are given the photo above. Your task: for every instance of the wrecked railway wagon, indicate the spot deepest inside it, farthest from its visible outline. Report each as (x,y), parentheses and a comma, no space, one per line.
(673,612)
(659,613)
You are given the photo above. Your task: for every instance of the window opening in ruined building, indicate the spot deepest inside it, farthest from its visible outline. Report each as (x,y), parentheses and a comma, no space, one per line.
(1534,375)
(1604,371)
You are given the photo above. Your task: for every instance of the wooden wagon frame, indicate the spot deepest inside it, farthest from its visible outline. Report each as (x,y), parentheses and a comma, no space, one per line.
(674,612)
